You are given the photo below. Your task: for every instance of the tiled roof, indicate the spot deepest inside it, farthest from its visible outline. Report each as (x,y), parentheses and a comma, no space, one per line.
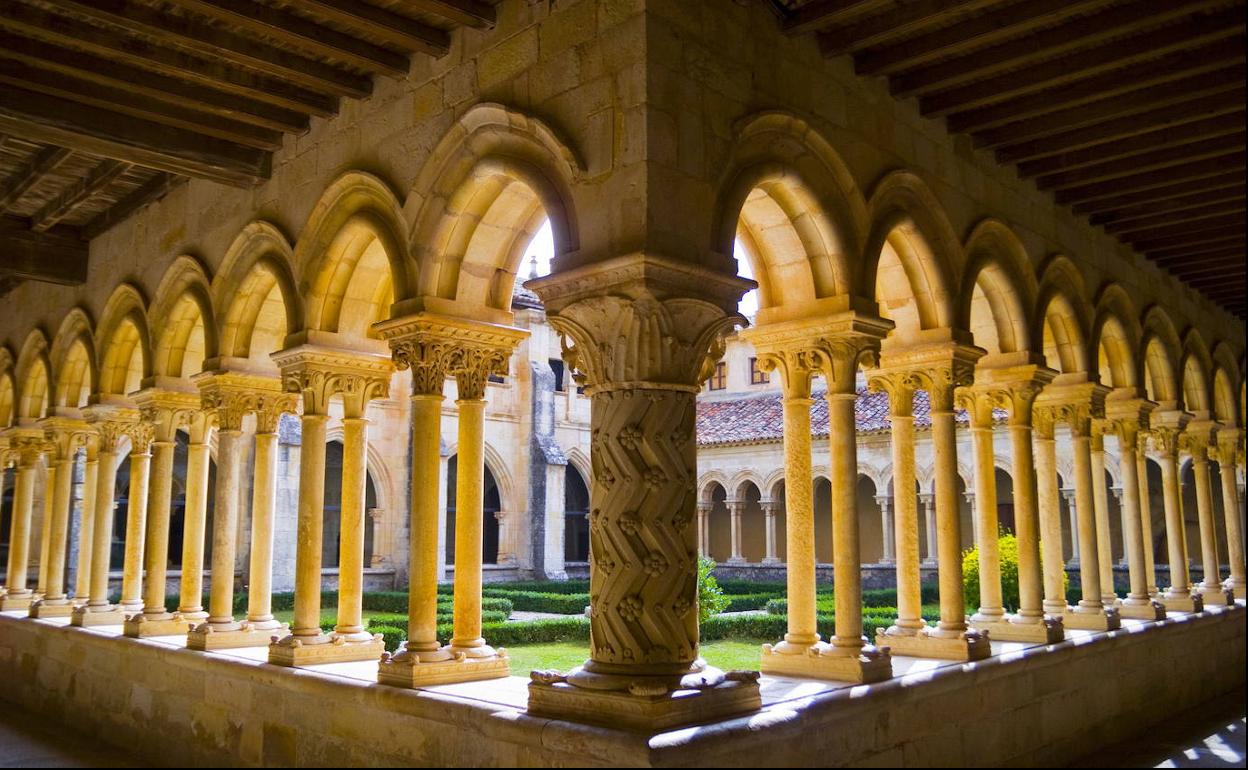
(761,417)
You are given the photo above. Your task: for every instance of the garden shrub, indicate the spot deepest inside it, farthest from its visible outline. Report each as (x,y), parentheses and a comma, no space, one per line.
(711,599)
(1007,545)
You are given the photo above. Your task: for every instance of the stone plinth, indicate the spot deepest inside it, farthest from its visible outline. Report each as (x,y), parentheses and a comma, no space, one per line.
(823,661)
(292,651)
(1047,630)
(206,636)
(971,644)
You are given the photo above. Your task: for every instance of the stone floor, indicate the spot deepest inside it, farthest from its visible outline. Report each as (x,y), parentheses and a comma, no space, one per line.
(29,742)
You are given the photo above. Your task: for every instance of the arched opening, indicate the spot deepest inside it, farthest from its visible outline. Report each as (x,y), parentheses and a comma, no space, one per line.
(871,530)
(719,525)
(7,481)
(177,509)
(822,507)
(575,516)
(331,522)
(491,505)
(1005,500)
(1156,512)
(753,528)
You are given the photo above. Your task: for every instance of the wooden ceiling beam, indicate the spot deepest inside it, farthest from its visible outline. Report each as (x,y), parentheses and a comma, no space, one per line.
(152,190)
(1147,161)
(1224,235)
(78,193)
(469,13)
(138,105)
(1193,216)
(57,256)
(1186,253)
(313,38)
(1195,229)
(109,73)
(1202,169)
(1120,92)
(901,21)
(390,28)
(110,134)
(1229,265)
(222,45)
(1170,137)
(1180,189)
(44,162)
(981,36)
(819,14)
(1229,102)
(1128,215)
(1077,65)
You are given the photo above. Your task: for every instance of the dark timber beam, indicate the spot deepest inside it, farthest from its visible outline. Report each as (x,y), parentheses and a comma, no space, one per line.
(152,190)
(1219,223)
(825,13)
(1135,164)
(1184,189)
(392,29)
(1190,254)
(1188,217)
(44,162)
(470,13)
(1203,169)
(1213,235)
(1127,216)
(57,256)
(898,22)
(112,135)
(76,194)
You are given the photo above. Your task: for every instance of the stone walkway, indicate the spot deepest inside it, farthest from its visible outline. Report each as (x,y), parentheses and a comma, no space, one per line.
(27,742)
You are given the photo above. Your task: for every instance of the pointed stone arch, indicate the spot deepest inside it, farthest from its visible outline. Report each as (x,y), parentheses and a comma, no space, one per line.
(8,388)
(1196,367)
(998,290)
(123,342)
(184,320)
(1063,317)
(255,293)
(1116,337)
(708,483)
(73,361)
(507,495)
(1226,378)
(34,377)
(486,188)
(1162,352)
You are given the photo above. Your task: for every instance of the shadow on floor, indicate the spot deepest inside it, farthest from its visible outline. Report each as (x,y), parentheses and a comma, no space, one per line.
(28,741)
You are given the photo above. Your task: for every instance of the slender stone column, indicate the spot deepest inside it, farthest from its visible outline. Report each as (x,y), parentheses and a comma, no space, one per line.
(1228,441)
(929,524)
(769,526)
(886,527)
(1125,422)
(900,390)
(1180,595)
(643,329)
(64,438)
(45,526)
(1048,494)
(194,522)
(319,373)
(263,509)
(978,405)
(86,521)
(111,425)
(1146,513)
(1072,516)
(17,596)
(1090,611)
(704,513)
(736,508)
(1197,440)
(469,481)
(141,435)
(1100,503)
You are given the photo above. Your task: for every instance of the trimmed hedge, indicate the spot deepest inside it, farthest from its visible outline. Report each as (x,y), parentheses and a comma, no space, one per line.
(533,601)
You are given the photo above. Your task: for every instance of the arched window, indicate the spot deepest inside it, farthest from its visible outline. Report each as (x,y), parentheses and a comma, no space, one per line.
(177,506)
(331,534)
(575,516)
(491,506)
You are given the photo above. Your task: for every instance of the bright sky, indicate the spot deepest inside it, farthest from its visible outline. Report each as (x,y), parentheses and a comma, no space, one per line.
(542,247)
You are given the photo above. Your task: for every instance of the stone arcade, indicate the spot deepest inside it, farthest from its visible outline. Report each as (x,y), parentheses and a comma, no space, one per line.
(344,256)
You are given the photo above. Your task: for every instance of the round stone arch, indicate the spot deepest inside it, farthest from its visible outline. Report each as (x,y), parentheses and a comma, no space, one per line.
(123,343)
(998,290)
(1115,339)
(578,460)
(1162,352)
(1196,366)
(1226,378)
(183,319)
(254,295)
(773,486)
(791,201)
(34,378)
(1062,320)
(352,256)
(739,483)
(911,257)
(487,187)
(508,497)
(73,361)
(8,391)
(709,483)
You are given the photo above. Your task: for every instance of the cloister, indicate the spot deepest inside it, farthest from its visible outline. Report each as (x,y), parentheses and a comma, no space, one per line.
(366,290)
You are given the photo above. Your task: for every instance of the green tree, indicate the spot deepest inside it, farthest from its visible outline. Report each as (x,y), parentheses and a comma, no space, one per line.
(1007,546)
(711,599)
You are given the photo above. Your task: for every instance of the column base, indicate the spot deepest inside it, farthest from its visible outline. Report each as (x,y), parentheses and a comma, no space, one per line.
(51,608)
(735,561)
(772,561)
(108,615)
(10,602)
(1099,619)
(169,624)
(1238,589)
(1109,600)
(1182,602)
(1216,596)
(971,644)
(821,660)
(1143,610)
(205,637)
(292,651)
(707,696)
(433,667)
(1012,628)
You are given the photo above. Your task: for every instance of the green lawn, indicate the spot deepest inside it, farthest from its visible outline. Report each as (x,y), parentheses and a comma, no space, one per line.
(725,654)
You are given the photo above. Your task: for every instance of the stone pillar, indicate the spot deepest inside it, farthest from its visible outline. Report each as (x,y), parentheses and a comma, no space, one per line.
(65,436)
(17,596)
(1180,595)
(1125,420)
(1146,513)
(45,529)
(769,527)
(979,405)
(141,434)
(318,373)
(704,515)
(195,518)
(90,474)
(643,329)
(736,509)
(1090,612)
(929,525)
(900,390)
(111,423)
(269,413)
(886,527)
(1228,441)
(466,636)
(1048,498)
(1072,516)
(1197,440)
(1100,503)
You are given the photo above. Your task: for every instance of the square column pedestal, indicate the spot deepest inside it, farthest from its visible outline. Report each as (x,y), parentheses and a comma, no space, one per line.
(291,651)
(85,616)
(864,665)
(968,645)
(8,602)
(204,637)
(1216,596)
(1147,610)
(1099,619)
(42,609)
(139,626)
(414,669)
(1182,602)
(1046,630)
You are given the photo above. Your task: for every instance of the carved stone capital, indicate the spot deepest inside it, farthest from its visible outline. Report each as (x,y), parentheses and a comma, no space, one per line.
(167,409)
(141,434)
(26,446)
(835,346)
(63,437)
(1226,449)
(437,346)
(269,410)
(938,368)
(1197,439)
(1166,440)
(1074,404)
(318,373)
(110,423)
(1127,418)
(1010,387)
(642,321)
(899,386)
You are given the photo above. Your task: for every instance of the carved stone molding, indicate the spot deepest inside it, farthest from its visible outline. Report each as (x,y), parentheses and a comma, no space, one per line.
(1072,404)
(1226,448)
(1128,418)
(318,373)
(939,369)
(26,446)
(436,346)
(64,436)
(110,423)
(167,410)
(835,346)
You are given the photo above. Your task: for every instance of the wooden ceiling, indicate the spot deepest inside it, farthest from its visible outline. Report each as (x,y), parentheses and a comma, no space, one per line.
(105,105)
(1131,112)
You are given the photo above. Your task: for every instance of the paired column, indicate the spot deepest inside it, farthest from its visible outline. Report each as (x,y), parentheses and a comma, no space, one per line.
(1072,515)
(736,509)
(886,527)
(1226,447)
(64,438)
(1100,503)
(110,425)
(1050,509)
(141,435)
(645,332)
(269,411)
(194,522)
(704,515)
(1090,612)
(929,526)
(164,420)
(769,524)
(1125,421)
(86,521)
(1180,595)
(17,594)
(1197,440)
(1144,496)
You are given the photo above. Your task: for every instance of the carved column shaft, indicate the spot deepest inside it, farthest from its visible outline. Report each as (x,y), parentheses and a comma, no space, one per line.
(194,522)
(1199,447)
(948,526)
(263,511)
(991,603)
(799,506)
(1176,535)
(157,545)
(1085,516)
(1132,518)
